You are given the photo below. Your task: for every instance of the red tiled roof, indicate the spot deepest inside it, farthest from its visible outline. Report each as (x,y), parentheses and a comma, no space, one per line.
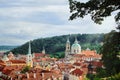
(2,62)
(89,53)
(84,66)
(77,64)
(17,61)
(39,54)
(7,71)
(77,72)
(85,70)
(97,64)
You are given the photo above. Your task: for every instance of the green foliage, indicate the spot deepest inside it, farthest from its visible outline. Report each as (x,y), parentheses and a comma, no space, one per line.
(58,55)
(86,78)
(101,72)
(57,44)
(115,77)
(98,9)
(110,50)
(25,69)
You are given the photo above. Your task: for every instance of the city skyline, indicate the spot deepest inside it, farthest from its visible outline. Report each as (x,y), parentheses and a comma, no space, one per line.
(21,21)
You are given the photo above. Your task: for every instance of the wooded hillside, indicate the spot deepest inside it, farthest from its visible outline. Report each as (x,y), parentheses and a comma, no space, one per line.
(56,44)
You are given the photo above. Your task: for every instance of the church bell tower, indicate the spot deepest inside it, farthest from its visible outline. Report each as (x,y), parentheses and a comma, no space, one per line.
(67,50)
(29,57)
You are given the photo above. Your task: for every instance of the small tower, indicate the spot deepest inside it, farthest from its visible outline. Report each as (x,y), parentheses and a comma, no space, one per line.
(43,51)
(29,57)
(67,50)
(5,58)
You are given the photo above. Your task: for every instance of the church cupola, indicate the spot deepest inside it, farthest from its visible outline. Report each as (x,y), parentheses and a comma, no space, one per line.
(76,48)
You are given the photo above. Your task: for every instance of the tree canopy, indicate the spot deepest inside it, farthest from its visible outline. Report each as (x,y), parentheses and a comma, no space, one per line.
(110,50)
(98,9)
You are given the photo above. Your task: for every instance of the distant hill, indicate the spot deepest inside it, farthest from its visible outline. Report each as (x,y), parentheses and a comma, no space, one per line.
(6,48)
(56,44)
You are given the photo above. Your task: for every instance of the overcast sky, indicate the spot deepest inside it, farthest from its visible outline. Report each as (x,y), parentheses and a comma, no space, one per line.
(24,20)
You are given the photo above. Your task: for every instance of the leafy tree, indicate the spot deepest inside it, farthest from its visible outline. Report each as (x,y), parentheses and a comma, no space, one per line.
(101,72)
(25,69)
(114,77)
(98,9)
(110,50)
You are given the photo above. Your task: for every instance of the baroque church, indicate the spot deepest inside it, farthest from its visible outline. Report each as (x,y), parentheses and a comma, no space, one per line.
(74,49)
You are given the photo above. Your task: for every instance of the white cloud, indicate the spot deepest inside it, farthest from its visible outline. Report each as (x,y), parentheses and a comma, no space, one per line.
(18,12)
(33,2)
(16,28)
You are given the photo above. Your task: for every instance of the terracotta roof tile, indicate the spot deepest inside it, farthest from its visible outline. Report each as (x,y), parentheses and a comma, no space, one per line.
(77,72)
(17,61)
(97,64)
(77,64)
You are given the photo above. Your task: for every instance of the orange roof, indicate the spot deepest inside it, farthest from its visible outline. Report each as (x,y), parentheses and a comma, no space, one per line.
(89,52)
(77,64)
(97,64)
(2,62)
(39,54)
(84,66)
(17,61)
(85,70)
(7,71)
(77,72)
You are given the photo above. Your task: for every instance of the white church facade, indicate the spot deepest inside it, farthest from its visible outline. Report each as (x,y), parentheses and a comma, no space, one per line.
(74,49)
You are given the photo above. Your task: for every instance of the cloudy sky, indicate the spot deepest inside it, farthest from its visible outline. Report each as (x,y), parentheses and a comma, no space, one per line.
(24,20)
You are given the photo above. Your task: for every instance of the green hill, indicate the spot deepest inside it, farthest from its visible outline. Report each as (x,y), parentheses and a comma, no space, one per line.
(56,44)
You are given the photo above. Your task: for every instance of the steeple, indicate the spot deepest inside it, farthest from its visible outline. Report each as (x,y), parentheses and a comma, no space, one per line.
(29,61)
(67,51)
(76,41)
(68,41)
(29,49)
(43,51)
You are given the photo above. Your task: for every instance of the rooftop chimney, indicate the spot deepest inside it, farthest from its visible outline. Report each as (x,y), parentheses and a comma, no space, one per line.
(27,75)
(43,75)
(34,75)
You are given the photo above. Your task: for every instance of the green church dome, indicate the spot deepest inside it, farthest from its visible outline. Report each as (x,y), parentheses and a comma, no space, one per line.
(76,48)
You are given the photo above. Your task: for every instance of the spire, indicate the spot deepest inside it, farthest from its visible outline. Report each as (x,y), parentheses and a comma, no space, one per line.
(29,56)
(68,41)
(29,49)
(43,51)
(76,41)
